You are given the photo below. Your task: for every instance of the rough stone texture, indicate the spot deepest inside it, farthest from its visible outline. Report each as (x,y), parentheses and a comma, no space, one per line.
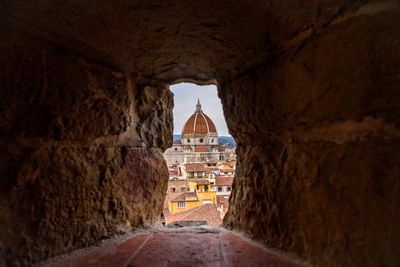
(310,91)
(201,40)
(318,157)
(80,160)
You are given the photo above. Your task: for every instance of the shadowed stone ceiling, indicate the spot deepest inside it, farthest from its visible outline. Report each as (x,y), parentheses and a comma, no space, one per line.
(168,40)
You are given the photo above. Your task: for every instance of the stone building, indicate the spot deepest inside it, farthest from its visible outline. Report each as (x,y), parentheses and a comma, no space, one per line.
(199,141)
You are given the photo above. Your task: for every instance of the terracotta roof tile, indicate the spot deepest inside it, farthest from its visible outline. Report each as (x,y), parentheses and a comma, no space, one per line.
(195,167)
(184,196)
(221,149)
(201,181)
(219,181)
(205,212)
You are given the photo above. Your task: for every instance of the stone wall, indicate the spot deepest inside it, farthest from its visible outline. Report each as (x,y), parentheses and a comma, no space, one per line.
(310,91)
(318,133)
(178,185)
(81,150)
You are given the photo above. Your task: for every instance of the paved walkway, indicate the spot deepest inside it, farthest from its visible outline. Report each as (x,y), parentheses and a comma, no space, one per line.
(191,246)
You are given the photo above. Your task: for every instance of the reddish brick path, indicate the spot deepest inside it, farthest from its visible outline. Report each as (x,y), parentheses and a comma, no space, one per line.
(214,248)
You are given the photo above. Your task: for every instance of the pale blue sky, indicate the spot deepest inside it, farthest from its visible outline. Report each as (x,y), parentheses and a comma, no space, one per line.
(185,99)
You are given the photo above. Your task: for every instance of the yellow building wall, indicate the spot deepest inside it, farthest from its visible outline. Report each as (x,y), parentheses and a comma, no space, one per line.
(189,205)
(209,195)
(192,185)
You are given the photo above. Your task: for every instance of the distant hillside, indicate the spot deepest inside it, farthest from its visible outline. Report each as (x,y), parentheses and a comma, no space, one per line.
(226,141)
(177,137)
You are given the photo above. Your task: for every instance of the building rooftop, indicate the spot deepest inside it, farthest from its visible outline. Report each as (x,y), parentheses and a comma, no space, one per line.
(201,181)
(184,196)
(205,212)
(223,181)
(195,167)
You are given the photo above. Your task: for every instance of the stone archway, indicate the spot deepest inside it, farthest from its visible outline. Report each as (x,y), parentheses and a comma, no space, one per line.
(310,92)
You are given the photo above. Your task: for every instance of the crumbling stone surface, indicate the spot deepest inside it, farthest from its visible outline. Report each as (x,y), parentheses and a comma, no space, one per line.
(75,167)
(318,152)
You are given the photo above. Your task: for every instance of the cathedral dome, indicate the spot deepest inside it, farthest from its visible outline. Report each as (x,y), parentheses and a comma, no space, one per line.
(199,123)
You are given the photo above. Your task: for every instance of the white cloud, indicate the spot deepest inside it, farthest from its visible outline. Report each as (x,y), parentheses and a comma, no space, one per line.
(185,99)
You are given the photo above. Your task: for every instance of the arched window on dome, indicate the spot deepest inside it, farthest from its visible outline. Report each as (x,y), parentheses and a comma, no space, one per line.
(201,140)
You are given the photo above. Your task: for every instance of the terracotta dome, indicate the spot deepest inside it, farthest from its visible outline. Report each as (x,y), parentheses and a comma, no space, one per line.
(199,123)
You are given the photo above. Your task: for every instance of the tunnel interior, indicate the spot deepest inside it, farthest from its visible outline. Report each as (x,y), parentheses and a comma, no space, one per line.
(310,92)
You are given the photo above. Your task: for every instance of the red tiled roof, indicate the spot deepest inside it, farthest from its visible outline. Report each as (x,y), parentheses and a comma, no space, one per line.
(188,148)
(195,167)
(221,149)
(177,142)
(202,149)
(183,196)
(205,212)
(201,181)
(203,124)
(223,180)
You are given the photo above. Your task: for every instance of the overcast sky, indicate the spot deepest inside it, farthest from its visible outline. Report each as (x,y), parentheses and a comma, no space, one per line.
(185,99)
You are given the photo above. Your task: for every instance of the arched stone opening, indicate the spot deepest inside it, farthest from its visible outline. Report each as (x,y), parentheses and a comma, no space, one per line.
(310,94)
(202,158)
